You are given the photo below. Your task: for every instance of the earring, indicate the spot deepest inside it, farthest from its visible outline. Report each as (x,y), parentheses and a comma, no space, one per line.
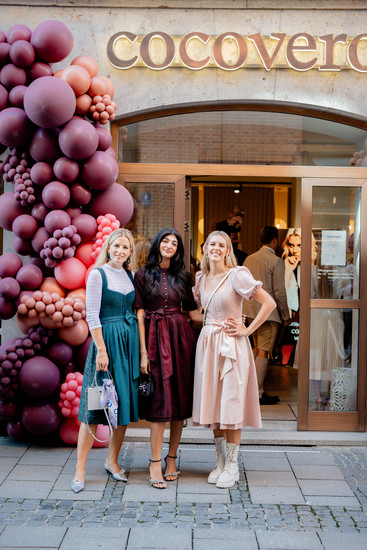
(128,261)
(108,256)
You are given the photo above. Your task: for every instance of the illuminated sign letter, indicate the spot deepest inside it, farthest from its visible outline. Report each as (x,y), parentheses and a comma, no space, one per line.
(116,61)
(170,50)
(263,52)
(242,51)
(292,47)
(186,60)
(329,50)
(353,54)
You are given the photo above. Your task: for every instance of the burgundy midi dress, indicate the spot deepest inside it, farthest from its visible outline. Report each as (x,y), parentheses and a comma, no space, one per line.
(171,343)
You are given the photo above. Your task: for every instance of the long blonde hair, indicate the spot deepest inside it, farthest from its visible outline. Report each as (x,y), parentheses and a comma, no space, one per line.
(296,232)
(103,255)
(230,259)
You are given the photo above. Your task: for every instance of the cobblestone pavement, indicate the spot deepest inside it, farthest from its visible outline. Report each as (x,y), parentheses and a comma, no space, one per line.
(311,490)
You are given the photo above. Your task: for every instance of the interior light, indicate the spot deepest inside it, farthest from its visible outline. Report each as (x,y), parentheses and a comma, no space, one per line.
(236,190)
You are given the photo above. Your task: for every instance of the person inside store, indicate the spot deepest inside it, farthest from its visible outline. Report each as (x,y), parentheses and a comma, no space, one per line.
(268,268)
(167,347)
(114,348)
(225,385)
(233,222)
(239,254)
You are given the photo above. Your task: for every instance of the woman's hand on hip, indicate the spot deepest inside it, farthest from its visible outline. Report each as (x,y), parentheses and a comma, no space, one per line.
(233,328)
(102,360)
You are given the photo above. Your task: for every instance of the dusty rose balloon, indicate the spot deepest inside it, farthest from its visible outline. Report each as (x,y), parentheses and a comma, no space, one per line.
(41,264)
(44,146)
(78,139)
(39,377)
(60,353)
(77,77)
(51,285)
(79,194)
(22,53)
(9,288)
(52,41)
(88,63)
(104,139)
(56,195)
(75,336)
(69,431)
(29,277)
(115,200)
(39,69)
(7,309)
(11,76)
(58,73)
(2,37)
(83,253)
(73,211)
(4,54)
(57,219)
(24,323)
(86,226)
(10,264)
(22,246)
(100,171)
(9,209)
(41,419)
(39,238)
(16,96)
(18,32)
(15,127)
(70,273)
(49,102)
(83,103)
(24,226)
(4,95)
(101,85)
(41,173)
(66,170)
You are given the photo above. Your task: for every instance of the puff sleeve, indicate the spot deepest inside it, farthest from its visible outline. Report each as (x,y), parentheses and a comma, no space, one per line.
(244,283)
(196,288)
(139,282)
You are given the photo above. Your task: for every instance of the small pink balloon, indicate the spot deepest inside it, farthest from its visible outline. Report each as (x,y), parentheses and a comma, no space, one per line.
(39,238)
(15,127)
(39,212)
(10,209)
(84,254)
(29,277)
(66,170)
(39,69)
(4,54)
(7,309)
(57,219)
(52,41)
(44,146)
(10,264)
(9,288)
(73,211)
(16,96)
(41,173)
(24,226)
(104,139)
(11,76)
(55,195)
(88,63)
(4,95)
(77,77)
(79,194)
(18,32)
(22,53)
(22,246)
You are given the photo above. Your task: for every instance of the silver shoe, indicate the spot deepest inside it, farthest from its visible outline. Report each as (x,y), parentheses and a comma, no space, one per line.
(120,476)
(77,486)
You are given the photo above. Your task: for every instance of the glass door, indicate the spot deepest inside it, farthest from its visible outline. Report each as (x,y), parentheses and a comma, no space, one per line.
(332,346)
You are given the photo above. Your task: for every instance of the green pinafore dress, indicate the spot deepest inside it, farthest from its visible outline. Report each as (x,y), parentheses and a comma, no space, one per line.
(121,337)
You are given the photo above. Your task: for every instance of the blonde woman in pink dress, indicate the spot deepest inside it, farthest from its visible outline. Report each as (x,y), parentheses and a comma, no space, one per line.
(226,396)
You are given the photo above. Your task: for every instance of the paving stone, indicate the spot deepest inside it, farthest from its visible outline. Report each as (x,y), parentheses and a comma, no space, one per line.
(316,458)
(309,471)
(44,457)
(160,538)
(279,479)
(15,449)
(341,541)
(279,464)
(35,473)
(147,493)
(83,495)
(30,537)
(333,501)
(322,487)
(92,483)
(25,489)
(276,495)
(291,540)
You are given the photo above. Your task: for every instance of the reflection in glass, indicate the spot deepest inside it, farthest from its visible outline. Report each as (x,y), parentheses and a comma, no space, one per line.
(333,360)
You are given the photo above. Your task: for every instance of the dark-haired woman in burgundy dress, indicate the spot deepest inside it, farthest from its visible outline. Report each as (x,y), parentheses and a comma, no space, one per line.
(167,346)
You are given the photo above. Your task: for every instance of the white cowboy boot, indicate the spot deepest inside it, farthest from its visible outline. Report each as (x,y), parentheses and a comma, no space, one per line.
(230,473)
(219,443)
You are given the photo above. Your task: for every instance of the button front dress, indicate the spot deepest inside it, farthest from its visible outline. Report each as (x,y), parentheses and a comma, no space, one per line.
(225,386)
(120,334)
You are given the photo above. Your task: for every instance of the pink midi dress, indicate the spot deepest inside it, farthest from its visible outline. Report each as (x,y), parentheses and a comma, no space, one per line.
(225,384)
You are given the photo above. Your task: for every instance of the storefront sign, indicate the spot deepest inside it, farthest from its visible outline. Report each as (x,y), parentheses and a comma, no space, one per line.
(231,51)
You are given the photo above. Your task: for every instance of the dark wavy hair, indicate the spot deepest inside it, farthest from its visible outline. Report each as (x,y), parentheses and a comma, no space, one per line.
(178,278)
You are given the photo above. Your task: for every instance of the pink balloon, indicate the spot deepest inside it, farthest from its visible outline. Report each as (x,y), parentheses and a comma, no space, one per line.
(83,253)
(69,431)
(4,95)
(3,38)
(24,226)
(4,54)
(86,226)
(39,377)
(22,53)
(29,277)
(43,99)
(39,238)
(57,219)
(41,173)
(100,171)
(52,41)
(104,139)
(15,128)
(80,195)
(65,169)
(78,139)
(60,353)
(9,209)
(9,288)
(22,246)
(115,200)
(75,336)
(73,211)
(7,309)
(39,212)
(44,146)
(11,76)
(39,69)
(77,77)
(18,32)
(10,264)
(103,434)
(41,419)
(70,273)
(56,195)
(16,96)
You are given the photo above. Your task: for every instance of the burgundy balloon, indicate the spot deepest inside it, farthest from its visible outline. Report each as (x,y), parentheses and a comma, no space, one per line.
(11,75)
(41,419)
(41,264)
(41,173)
(17,432)
(57,219)
(24,226)
(39,69)
(52,41)
(18,32)
(15,127)
(9,288)
(49,102)
(4,53)
(22,246)
(65,169)
(80,355)
(39,238)
(73,211)
(29,277)
(104,139)
(16,96)
(115,200)
(44,146)
(39,377)
(7,309)
(39,212)
(60,353)
(10,264)
(22,53)
(86,226)
(100,171)
(9,411)
(78,139)
(56,195)
(4,95)
(80,195)
(9,209)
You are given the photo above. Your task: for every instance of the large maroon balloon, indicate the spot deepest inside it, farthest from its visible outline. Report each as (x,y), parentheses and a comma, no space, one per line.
(3,97)
(100,171)
(39,238)
(22,53)
(49,102)
(39,69)
(22,246)
(104,138)
(57,219)
(10,264)
(44,146)
(7,309)
(39,212)
(41,173)
(80,195)
(29,277)
(16,431)
(41,419)
(52,41)
(15,127)
(16,96)
(9,288)
(18,32)
(115,200)
(56,195)
(86,226)
(9,209)
(60,353)
(39,377)
(65,169)
(78,139)
(11,76)
(24,226)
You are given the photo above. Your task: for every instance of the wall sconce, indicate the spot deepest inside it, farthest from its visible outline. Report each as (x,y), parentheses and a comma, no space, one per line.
(238,189)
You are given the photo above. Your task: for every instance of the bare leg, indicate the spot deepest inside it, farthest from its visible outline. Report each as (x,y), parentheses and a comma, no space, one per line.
(114,448)
(174,441)
(85,443)
(233,436)
(219,433)
(156,440)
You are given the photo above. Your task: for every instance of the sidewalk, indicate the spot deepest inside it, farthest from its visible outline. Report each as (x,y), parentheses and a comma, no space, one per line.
(294,498)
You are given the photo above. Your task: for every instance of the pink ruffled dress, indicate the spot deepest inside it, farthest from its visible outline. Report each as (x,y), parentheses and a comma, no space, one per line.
(225,385)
